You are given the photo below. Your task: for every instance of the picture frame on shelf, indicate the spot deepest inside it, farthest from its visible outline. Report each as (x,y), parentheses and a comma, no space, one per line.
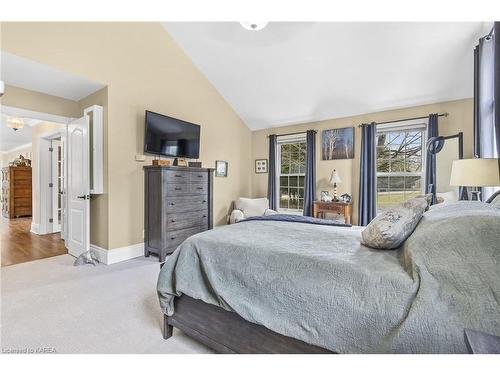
(325,196)
(261,166)
(221,168)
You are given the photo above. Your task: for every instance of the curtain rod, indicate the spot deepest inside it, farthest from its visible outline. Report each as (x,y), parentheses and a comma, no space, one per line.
(491,32)
(407,119)
(279,135)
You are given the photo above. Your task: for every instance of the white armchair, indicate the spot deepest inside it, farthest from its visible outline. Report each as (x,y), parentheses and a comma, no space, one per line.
(246,207)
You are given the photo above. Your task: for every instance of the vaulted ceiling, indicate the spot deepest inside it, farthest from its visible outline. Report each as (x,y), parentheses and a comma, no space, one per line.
(293,72)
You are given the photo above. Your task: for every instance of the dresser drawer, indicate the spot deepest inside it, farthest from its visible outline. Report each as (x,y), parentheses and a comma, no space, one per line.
(178,189)
(199,178)
(174,177)
(198,189)
(187,219)
(187,204)
(22,192)
(175,238)
(23,202)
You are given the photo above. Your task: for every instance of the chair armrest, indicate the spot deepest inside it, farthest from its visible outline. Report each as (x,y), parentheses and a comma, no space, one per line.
(236,216)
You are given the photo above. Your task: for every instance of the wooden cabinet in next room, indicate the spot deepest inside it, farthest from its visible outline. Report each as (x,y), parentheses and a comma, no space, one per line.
(16,192)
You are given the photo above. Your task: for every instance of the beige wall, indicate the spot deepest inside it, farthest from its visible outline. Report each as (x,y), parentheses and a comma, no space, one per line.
(4,159)
(144,69)
(39,102)
(12,155)
(99,223)
(460,119)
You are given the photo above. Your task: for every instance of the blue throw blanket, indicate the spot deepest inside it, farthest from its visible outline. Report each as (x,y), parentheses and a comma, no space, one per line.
(295,219)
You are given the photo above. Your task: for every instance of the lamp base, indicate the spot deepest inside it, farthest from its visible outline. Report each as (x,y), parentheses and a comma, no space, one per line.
(475,195)
(335,197)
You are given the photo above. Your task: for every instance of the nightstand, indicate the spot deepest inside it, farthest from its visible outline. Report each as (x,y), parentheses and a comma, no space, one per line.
(340,208)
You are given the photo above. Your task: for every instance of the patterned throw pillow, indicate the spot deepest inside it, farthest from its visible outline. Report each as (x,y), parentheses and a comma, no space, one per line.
(392,227)
(428,198)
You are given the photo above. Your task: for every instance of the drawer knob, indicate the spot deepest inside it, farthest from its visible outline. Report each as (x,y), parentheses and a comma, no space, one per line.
(172,204)
(178,175)
(200,176)
(172,221)
(204,201)
(204,215)
(200,188)
(172,238)
(178,188)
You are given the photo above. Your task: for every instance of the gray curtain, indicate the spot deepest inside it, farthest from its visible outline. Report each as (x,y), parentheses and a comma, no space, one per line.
(486,90)
(368,172)
(310,179)
(430,163)
(272,194)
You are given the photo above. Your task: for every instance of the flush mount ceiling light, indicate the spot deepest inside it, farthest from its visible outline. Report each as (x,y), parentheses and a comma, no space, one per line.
(15,123)
(254,26)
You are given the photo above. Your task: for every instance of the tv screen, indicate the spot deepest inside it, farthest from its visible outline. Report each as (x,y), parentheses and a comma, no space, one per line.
(171,137)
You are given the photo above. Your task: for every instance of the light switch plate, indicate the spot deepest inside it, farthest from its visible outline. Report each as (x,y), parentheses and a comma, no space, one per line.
(140,158)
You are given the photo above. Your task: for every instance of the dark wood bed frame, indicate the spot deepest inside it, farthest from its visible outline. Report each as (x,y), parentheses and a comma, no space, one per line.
(227,332)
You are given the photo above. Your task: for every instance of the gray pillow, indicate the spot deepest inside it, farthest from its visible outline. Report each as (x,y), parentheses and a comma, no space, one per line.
(392,227)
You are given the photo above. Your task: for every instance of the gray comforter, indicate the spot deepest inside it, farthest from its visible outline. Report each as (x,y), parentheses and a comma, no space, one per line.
(320,285)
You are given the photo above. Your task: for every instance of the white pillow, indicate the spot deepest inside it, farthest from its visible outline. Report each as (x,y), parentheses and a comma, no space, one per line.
(447,197)
(252,207)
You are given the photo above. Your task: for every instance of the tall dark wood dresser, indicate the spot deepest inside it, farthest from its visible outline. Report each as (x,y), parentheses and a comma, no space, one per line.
(16,192)
(178,203)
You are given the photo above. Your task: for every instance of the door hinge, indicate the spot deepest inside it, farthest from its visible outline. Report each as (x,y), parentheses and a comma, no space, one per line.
(51,184)
(51,149)
(51,220)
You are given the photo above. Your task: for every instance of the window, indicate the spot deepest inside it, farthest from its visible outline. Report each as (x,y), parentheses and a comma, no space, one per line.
(291,172)
(400,163)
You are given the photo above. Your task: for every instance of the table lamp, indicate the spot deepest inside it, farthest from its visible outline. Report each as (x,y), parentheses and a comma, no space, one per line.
(334,180)
(475,172)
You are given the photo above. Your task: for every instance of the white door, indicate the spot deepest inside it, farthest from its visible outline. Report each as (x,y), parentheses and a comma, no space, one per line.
(62,192)
(78,197)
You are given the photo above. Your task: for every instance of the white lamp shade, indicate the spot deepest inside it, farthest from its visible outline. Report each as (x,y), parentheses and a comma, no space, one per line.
(475,172)
(335,179)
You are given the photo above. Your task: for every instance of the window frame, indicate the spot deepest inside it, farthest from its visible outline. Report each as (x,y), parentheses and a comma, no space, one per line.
(281,140)
(403,126)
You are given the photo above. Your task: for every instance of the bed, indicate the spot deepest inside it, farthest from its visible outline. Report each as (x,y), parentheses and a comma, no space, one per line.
(265,286)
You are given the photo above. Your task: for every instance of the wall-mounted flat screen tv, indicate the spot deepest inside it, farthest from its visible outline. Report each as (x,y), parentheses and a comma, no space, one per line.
(169,136)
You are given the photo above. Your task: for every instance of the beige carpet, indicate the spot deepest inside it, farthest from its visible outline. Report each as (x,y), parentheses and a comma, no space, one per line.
(50,304)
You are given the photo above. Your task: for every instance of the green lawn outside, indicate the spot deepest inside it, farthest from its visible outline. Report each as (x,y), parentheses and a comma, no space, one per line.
(389,199)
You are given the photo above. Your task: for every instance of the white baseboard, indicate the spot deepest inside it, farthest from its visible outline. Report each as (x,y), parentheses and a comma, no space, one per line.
(118,254)
(35,228)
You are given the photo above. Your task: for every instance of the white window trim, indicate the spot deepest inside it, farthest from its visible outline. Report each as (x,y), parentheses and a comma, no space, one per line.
(281,140)
(401,126)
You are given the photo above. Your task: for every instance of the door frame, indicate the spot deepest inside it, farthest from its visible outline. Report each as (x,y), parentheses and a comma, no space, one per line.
(45,161)
(37,228)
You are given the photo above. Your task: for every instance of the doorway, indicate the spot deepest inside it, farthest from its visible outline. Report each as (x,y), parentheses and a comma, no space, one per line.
(57,186)
(21,198)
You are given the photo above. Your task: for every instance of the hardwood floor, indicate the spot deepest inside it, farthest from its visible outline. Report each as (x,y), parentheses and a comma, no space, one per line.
(19,245)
